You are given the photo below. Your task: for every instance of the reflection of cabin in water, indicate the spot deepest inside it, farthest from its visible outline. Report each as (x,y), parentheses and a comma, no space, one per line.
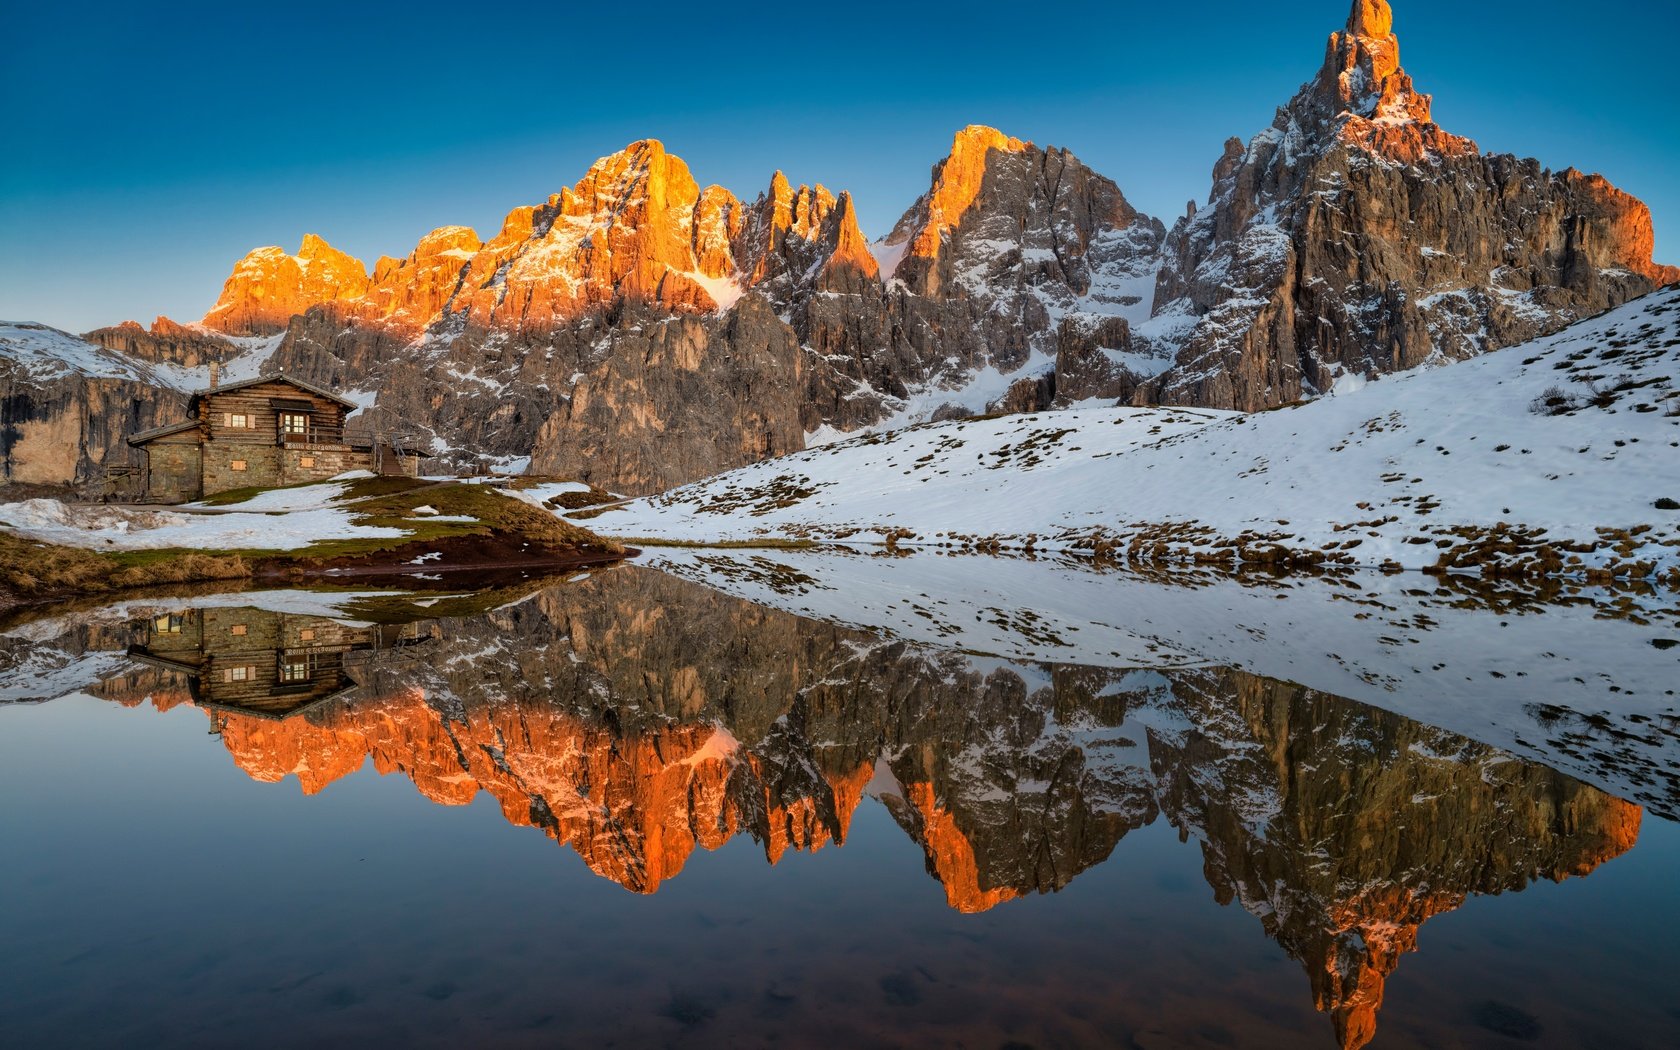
(263,663)
(264,432)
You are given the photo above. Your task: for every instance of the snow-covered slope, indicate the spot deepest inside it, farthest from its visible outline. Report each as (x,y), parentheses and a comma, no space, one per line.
(118,528)
(1557,456)
(44,354)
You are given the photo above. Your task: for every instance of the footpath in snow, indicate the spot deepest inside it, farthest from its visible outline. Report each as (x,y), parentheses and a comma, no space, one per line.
(1560,456)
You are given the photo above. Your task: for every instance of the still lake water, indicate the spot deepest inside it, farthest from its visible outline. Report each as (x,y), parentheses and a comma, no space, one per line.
(630,809)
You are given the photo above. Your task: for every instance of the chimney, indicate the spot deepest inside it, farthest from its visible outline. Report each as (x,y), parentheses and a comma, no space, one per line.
(215,372)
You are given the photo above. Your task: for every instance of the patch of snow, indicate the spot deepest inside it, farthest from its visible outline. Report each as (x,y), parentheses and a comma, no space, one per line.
(725,291)
(115,528)
(888,256)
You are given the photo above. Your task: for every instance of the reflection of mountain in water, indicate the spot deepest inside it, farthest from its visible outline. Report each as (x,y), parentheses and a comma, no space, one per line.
(635,717)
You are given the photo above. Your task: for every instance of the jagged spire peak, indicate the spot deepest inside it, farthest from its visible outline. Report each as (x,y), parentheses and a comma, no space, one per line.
(1371,18)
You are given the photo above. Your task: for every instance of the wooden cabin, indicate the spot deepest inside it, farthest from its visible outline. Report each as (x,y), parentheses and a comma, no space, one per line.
(269,664)
(265,432)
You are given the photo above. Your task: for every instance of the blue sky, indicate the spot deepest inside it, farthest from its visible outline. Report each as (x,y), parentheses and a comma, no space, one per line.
(151,148)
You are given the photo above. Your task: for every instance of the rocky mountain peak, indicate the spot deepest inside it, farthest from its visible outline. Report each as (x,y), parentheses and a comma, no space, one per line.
(268,286)
(850,265)
(957,182)
(1371,18)
(1363,97)
(640,178)
(762,247)
(1356,237)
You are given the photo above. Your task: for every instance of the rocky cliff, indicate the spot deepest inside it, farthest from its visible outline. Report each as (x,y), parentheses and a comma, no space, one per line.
(67,404)
(1356,237)
(1353,237)
(639,330)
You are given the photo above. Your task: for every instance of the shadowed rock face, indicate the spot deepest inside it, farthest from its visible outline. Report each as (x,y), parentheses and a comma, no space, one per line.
(66,406)
(166,342)
(636,718)
(1355,236)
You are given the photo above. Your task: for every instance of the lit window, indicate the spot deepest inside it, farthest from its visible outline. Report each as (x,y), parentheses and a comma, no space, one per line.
(237,464)
(238,674)
(170,624)
(237,629)
(294,672)
(236,420)
(293,423)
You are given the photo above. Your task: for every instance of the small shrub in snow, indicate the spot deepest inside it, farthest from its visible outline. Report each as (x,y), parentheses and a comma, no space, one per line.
(1556,401)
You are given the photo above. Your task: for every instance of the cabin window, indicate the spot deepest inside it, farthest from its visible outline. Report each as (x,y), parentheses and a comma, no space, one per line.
(170,624)
(238,630)
(294,671)
(239,674)
(236,420)
(237,464)
(306,461)
(294,423)
(306,635)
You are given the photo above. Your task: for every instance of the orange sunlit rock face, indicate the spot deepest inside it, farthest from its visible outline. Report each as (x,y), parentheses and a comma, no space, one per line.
(1379,109)
(410,293)
(268,287)
(636,228)
(957,183)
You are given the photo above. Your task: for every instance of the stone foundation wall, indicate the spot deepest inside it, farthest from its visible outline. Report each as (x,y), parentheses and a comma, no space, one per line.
(269,466)
(319,462)
(174,471)
(233,466)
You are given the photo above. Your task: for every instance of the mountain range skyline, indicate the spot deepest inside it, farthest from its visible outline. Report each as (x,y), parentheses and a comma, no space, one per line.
(154,230)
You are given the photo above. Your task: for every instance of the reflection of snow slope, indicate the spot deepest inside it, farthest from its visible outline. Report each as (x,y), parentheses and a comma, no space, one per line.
(1526,678)
(1413,470)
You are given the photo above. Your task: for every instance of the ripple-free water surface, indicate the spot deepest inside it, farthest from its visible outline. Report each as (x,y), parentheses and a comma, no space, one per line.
(629,810)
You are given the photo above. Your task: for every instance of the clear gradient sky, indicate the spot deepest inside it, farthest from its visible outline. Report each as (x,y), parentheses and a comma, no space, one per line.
(149,146)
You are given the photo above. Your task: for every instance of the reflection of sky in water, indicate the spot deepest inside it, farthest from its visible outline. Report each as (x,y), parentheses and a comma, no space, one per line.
(155,893)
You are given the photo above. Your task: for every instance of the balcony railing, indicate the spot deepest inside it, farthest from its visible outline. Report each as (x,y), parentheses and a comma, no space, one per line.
(313,435)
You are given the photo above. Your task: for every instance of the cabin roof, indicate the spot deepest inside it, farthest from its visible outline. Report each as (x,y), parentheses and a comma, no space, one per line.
(157,432)
(275,377)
